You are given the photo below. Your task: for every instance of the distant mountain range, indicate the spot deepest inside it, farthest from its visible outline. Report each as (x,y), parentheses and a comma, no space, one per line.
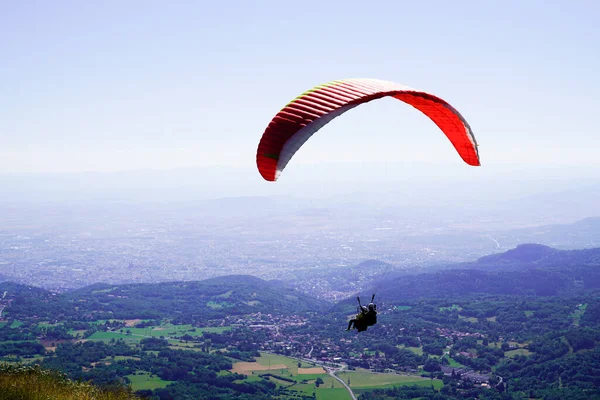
(527,269)
(526,256)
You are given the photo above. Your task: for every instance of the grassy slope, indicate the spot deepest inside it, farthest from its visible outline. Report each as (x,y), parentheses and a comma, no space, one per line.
(34,383)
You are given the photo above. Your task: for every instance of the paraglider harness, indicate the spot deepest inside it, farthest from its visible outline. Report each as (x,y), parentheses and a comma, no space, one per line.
(365,317)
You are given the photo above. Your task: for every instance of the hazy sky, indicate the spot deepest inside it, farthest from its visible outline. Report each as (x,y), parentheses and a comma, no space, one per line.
(115,85)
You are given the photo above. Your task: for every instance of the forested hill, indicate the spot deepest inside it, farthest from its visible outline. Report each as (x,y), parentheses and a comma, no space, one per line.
(537,256)
(527,269)
(190,301)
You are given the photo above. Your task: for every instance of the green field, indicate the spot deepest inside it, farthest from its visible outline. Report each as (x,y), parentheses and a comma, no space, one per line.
(46,324)
(74,333)
(453,363)
(360,379)
(174,330)
(143,380)
(215,306)
(578,313)
(451,308)
(137,334)
(369,380)
(323,392)
(517,352)
(267,359)
(107,336)
(304,383)
(16,324)
(498,345)
(468,319)
(225,295)
(120,358)
(163,330)
(328,393)
(417,350)
(289,367)
(184,347)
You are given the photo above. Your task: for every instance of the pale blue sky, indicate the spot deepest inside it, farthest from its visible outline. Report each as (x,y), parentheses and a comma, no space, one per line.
(116,85)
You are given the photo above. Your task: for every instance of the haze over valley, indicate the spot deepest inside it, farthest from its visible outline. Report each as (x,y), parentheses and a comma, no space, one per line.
(77,234)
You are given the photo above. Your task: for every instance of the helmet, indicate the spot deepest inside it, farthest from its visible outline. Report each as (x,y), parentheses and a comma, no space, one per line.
(371,306)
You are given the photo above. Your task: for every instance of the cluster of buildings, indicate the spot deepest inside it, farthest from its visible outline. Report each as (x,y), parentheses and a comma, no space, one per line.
(466,374)
(280,339)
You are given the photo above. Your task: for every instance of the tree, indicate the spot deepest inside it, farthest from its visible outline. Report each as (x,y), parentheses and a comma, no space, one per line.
(432,365)
(500,387)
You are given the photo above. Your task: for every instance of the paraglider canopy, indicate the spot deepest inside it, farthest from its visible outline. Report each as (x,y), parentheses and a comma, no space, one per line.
(312,110)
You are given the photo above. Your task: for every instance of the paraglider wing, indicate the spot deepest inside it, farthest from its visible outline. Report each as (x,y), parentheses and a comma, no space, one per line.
(312,110)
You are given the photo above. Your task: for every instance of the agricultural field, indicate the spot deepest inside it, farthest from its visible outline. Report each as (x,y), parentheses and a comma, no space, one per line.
(170,330)
(272,362)
(517,352)
(132,335)
(417,350)
(108,336)
(468,319)
(362,379)
(297,380)
(453,363)
(144,380)
(284,371)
